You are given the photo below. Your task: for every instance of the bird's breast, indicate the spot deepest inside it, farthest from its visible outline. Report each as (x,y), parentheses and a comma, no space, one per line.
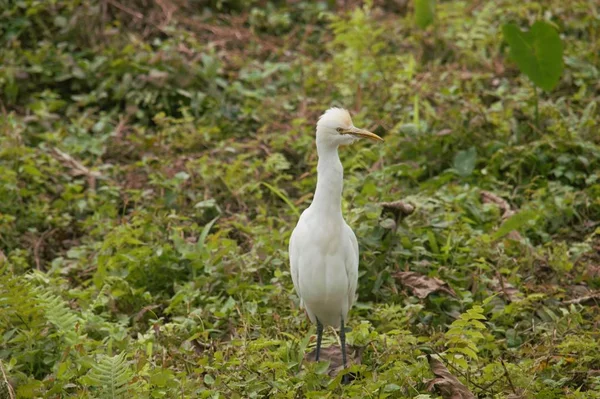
(327,235)
(323,269)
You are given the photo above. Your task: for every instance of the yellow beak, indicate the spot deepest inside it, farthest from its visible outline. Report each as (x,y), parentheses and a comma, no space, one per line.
(361,133)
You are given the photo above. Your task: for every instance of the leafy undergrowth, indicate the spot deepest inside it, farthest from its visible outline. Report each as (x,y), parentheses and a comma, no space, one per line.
(154,157)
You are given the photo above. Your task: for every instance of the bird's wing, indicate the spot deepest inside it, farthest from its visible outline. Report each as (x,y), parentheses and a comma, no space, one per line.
(294,254)
(352,266)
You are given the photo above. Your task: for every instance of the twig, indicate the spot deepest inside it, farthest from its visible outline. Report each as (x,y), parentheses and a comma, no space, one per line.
(139,15)
(2,107)
(126,9)
(484,389)
(508,377)
(537,109)
(592,298)
(493,382)
(76,168)
(168,9)
(36,247)
(11,391)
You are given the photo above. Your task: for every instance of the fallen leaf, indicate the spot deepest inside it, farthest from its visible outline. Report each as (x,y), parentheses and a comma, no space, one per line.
(499,68)
(592,272)
(333,354)
(398,207)
(506,289)
(448,385)
(75,167)
(491,198)
(143,311)
(577,290)
(157,77)
(421,285)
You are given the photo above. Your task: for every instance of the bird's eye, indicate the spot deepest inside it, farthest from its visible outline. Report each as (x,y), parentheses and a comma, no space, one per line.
(339,130)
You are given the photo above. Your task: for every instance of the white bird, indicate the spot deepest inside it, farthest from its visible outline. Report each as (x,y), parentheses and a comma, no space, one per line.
(323,249)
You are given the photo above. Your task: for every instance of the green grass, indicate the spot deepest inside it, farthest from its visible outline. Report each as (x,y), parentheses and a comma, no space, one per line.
(152,167)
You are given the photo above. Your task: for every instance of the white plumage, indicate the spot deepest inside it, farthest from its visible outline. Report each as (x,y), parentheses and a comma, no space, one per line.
(324,263)
(323,249)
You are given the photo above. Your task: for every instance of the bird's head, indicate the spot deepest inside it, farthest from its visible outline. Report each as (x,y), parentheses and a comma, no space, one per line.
(335,128)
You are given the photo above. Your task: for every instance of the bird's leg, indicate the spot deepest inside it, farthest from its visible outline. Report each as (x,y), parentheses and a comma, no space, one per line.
(343,342)
(319,338)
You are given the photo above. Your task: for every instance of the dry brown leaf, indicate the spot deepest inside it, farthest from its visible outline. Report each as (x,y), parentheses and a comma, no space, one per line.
(515,235)
(592,272)
(143,311)
(576,290)
(398,207)
(506,289)
(333,354)
(448,385)
(491,198)
(75,167)
(421,285)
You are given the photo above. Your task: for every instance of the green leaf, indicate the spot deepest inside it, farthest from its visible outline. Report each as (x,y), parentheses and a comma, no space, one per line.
(322,367)
(424,12)
(204,234)
(465,351)
(476,313)
(161,377)
(392,388)
(514,222)
(538,52)
(209,379)
(433,242)
(464,161)
(281,195)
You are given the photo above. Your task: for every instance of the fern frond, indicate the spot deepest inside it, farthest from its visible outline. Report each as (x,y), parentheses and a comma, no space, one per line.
(57,312)
(112,376)
(18,302)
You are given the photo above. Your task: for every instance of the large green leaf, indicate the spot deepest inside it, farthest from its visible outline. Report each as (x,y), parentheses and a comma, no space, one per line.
(514,222)
(538,52)
(424,12)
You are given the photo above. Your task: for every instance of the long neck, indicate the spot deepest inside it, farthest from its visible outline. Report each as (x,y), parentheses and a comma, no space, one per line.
(330,180)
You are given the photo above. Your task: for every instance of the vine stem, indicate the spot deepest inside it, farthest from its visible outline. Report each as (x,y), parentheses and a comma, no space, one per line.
(537,110)
(11,391)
